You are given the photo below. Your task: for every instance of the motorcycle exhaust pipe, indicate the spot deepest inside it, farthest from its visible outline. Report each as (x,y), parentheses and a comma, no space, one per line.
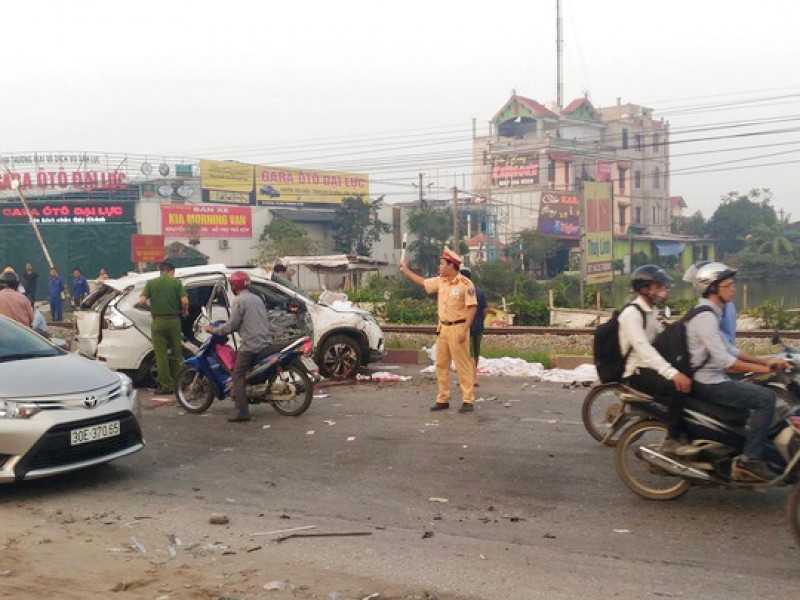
(671,466)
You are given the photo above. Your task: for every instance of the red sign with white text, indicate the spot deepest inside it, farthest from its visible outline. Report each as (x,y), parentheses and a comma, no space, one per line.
(206,221)
(147,248)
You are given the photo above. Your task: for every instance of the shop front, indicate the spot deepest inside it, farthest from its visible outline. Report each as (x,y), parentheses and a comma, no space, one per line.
(83,233)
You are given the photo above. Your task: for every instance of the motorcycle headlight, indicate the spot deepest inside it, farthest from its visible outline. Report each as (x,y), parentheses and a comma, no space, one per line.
(10,409)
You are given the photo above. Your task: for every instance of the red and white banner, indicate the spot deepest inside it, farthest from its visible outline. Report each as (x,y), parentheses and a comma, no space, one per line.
(179,220)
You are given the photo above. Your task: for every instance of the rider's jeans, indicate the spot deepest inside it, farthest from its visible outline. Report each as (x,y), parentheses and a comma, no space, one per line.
(738,394)
(244,360)
(663,390)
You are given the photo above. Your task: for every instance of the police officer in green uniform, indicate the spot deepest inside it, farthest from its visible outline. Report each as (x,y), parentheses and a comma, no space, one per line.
(168,301)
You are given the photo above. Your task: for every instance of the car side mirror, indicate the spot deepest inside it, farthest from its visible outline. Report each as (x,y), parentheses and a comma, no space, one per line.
(293,308)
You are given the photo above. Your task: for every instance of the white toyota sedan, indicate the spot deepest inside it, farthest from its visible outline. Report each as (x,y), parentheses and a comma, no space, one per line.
(58,411)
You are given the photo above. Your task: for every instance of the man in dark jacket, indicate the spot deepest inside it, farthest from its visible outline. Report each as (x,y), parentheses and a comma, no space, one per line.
(30,280)
(476,328)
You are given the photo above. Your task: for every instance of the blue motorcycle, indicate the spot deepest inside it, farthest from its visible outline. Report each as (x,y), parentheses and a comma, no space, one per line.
(282,378)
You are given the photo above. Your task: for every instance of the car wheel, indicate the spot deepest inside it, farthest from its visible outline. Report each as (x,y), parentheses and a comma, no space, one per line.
(339,357)
(147,373)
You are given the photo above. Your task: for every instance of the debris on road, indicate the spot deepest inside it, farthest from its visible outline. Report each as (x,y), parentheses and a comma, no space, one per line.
(219,519)
(275,586)
(383,376)
(427,535)
(139,546)
(314,535)
(279,531)
(434,499)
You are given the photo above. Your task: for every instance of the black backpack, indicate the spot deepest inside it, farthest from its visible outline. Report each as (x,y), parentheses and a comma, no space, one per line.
(673,345)
(608,357)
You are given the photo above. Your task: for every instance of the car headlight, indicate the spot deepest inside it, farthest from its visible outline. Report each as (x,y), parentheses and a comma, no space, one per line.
(17,410)
(127,384)
(113,319)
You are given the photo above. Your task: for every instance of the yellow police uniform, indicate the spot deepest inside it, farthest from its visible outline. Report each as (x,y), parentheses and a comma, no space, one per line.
(455,297)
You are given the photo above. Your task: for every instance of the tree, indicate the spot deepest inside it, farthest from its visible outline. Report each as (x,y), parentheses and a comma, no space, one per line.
(282,237)
(770,239)
(737,216)
(432,227)
(694,226)
(536,249)
(496,279)
(356,226)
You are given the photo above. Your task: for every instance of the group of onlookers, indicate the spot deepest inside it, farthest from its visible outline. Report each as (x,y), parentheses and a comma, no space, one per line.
(25,286)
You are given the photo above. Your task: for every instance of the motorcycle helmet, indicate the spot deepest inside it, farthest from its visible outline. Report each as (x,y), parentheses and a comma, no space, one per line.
(691,272)
(647,274)
(709,275)
(239,280)
(9,279)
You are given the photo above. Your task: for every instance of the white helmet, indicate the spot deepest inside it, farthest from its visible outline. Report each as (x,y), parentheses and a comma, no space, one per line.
(691,272)
(709,275)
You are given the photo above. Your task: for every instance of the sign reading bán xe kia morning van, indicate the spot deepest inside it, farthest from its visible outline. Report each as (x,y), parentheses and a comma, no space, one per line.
(281,186)
(181,220)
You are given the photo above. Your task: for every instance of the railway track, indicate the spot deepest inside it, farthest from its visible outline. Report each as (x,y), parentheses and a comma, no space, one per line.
(431,329)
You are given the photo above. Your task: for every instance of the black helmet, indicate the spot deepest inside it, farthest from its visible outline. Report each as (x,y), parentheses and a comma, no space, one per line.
(9,279)
(647,274)
(466,272)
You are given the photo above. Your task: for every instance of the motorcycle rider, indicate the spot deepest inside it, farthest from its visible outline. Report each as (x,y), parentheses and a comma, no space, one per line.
(249,318)
(645,369)
(713,356)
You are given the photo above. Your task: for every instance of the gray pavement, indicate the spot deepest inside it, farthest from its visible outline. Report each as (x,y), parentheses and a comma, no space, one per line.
(533,506)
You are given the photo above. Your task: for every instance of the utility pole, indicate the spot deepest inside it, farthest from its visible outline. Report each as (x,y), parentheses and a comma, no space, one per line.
(559,58)
(15,186)
(421,199)
(455,220)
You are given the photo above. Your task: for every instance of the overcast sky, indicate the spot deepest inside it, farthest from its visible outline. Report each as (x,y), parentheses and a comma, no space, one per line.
(391,89)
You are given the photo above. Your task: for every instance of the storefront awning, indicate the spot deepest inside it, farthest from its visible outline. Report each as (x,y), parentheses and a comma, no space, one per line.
(669,248)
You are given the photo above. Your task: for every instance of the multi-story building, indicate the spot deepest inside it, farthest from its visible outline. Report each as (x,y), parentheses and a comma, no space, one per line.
(536,155)
(532,150)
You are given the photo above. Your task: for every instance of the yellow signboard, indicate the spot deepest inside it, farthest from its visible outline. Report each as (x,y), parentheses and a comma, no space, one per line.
(280,185)
(228,176)
(598,236)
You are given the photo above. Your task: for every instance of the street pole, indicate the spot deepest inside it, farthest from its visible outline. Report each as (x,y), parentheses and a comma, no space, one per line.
(15,186)
(455,220)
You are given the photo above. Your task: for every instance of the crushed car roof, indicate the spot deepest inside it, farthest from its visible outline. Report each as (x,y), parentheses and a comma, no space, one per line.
(131,279)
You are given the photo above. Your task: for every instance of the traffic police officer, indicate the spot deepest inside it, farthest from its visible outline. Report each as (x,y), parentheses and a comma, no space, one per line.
(457,305)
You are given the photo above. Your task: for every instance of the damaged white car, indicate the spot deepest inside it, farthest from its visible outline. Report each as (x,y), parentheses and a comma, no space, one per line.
(114,331)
